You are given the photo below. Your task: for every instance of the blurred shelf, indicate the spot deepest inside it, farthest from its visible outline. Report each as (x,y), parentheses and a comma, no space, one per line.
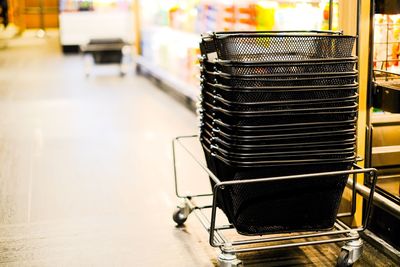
(192,36)
(169,79)
(302,1)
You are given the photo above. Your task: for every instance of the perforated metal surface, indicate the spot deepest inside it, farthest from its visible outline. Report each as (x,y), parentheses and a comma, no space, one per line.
(281,144)
(264,47)
(309,153)
(274,198)
(237,68)
(268,114)
(217,125)
(234,134)
(333,136)
(279,94)
(235,150)
(218,102)
(279,81)
(277,126)
(281,158)
(278,116)
(257,208)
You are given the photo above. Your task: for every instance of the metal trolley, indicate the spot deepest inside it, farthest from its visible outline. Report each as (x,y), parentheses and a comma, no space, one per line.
(341,232)
(106,51)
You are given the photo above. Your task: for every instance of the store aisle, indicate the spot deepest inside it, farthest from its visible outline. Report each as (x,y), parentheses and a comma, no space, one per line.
(86,172)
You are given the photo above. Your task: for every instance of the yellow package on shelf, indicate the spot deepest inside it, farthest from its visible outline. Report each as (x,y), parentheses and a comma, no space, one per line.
(265,15)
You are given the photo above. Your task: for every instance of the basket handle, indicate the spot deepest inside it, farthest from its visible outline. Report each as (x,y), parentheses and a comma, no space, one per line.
(207,44)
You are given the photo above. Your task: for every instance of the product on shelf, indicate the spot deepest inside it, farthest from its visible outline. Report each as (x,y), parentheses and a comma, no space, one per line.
(170,30)
(386,42)
(265,15)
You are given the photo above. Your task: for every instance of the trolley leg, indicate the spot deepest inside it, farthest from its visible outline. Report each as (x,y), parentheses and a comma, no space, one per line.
(125,60)
(88,63)
(228,259)
(351,251)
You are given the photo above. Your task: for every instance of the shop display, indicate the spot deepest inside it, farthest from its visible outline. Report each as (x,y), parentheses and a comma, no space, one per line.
(287,108)
(386,56)
(384,150)
(170,30)
(387,43)
(271,117)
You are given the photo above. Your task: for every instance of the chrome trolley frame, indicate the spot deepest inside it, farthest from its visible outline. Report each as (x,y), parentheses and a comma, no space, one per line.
(341,232)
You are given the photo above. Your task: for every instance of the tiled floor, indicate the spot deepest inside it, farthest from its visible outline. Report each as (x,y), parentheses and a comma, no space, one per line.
(86,172)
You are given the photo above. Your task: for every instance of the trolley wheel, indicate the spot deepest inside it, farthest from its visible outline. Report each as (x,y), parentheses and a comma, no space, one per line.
(179,216)
(226,259)
(343,259)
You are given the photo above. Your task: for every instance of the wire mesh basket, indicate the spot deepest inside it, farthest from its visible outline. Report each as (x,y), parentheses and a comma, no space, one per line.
(238,68)
(289,135)
(339,135)
(213,141)
(279,81)
(309,144)
(283,116)
(218,126)
(215,96)
(277,46)
(288,93)
(273,127)
(280,158)
(272,153)
(276,104)
(217,101)
(243,204)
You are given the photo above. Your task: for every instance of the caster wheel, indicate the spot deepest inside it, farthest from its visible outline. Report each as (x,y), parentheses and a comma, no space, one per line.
(179,216)
(229,260)
(343,259)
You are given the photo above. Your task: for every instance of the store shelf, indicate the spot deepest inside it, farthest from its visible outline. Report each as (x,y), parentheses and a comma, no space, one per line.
(170,34)
(168,79)
(191,36)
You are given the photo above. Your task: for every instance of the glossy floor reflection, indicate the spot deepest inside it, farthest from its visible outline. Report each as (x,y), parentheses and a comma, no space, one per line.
(86,169)
(86,174)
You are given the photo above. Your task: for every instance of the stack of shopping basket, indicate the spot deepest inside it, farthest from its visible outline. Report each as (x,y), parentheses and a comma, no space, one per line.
(276,104)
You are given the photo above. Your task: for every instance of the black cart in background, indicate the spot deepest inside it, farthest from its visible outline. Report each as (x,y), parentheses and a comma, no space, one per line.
(106,51)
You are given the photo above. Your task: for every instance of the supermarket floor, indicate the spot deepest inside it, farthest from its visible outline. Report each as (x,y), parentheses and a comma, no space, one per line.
(85,169)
